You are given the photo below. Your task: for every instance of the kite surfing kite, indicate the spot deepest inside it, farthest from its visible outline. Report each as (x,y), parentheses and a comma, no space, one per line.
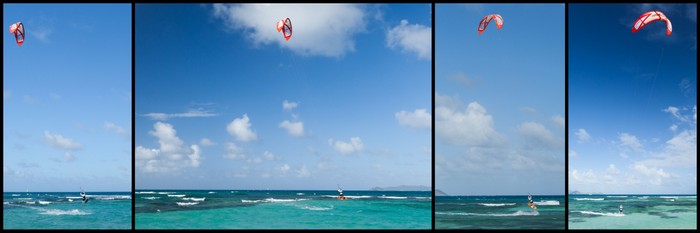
(285,26)
(18,30)
(485,22)
(649,17)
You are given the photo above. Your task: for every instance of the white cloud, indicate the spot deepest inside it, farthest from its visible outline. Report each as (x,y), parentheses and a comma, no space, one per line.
(171,156)
(286,105)
(537,136)
(233,151)
(284,168)
(206,142)
(303,172)
(676,113)
(114,128)
(471,126)
(655,176)
(295,129)
(190,113)
(673,127)
(67,157)
(419,118)
(240,127)
(583,136)
(61,142)
(413,38)
(269,155)
(354,146)
(559,120)
(630,141)
(317,29)
(587,177)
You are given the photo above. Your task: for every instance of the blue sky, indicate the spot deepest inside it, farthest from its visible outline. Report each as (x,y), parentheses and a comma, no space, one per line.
(67,98)
(632,100)
(224,102)
(499,100)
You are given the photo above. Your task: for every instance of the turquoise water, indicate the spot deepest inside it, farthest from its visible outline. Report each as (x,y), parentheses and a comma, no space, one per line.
(639,212)
(217,209)
(499,212)
(105,210)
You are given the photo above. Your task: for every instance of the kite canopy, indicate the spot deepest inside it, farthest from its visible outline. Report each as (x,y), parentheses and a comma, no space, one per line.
(485,22)
(18,30)
(285,26)
(649,17)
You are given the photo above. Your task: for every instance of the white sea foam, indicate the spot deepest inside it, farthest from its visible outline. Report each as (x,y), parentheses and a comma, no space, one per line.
(316,208)
(149,192)
(5,202)
(617,196)
(110,197)
(44,202)
(63,212)
(212,192)
(356,197)
(547,202)
(392,197)
(602,214)
(424,198)
(517,213)
(166,192)
(300,194)
(70,200)
(186,203)
(273,200)
(151,198)
(589,199)
(193,199)
(495,204)
(16,195)
(176,195)
(23,199)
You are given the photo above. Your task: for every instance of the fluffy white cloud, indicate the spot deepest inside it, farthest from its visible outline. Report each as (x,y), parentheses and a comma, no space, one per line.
(233,151)
(67,157)
(284,168)
(419,118)
(471,126)
(171,156)
(538,137)
(354,146)
(655,176)
(206,142)
(303,172)
(413,38)
(677,114)
(586,177)
(286,105)
(191,113)
(114,128)
(295,129)
(60,142)
(559,120)
(630,141)
(240,127)
(583,136)
(317,29)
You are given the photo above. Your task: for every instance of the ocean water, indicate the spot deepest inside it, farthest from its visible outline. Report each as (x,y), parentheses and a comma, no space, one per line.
(53,210)
(263,209)
(499,212)
(639,212)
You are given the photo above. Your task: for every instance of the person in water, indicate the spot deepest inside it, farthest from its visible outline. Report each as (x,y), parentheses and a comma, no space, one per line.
(83,195)
(529,198)
(620,209)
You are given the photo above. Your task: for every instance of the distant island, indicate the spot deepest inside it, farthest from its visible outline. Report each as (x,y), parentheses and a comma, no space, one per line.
(579,192)
(403,188)
(440,193)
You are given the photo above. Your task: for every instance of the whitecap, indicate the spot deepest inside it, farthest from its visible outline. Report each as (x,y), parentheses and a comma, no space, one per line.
(518,213)
(602,214)
(193,199)
(64,212)
(176,195)
(149,192)
(589,199)
(151,198)
(186,203)
(547,202)
(392,197)
(495,204)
